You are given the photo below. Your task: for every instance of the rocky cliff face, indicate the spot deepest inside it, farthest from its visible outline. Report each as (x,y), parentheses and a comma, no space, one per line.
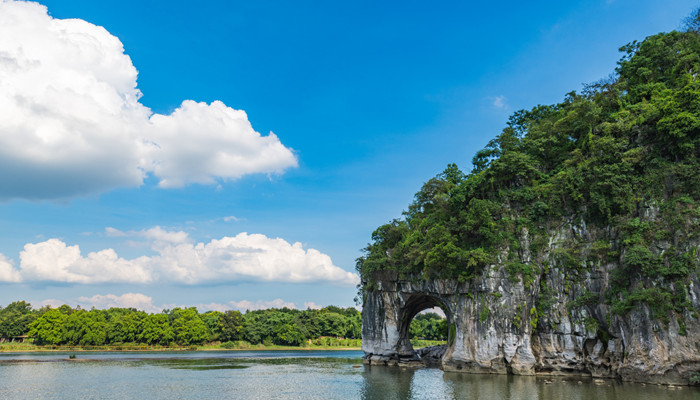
(554,321)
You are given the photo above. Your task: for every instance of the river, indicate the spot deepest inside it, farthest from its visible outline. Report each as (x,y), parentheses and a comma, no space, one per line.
(283,375)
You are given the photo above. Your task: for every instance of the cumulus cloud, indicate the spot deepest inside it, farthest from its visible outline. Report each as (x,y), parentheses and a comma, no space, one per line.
(71,122)
(8,273)
(312,305)
(53,260)
(143,302)
(244,257)
(198,142)
(127,300)
(244,305)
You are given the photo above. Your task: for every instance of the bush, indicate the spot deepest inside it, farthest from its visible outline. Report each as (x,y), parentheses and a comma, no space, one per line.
(228,345)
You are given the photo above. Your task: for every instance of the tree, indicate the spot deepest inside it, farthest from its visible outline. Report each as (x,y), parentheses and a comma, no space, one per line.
(48,329)
(692,22)
(289,335)
(231,325)
(124,325)
(212,319)
(15,319)
(188,327)
(155,329)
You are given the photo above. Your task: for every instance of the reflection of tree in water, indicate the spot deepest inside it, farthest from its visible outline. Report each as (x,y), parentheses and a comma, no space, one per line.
(387,383)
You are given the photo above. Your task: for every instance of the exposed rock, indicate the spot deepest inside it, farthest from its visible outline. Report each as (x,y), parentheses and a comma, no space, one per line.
(495,326)
(432,355)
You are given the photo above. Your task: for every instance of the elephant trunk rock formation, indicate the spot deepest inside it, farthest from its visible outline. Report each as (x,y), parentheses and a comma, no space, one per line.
(495,327)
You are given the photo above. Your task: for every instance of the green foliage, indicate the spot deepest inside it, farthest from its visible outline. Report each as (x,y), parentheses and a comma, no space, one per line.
(15,319)
(681,327)
(428,326)
(231,325)
(517,270)
(534,317)
(620,158)
(484,313)
(695,378)
(187,327)
(48,329)
(588,298)
(156,329)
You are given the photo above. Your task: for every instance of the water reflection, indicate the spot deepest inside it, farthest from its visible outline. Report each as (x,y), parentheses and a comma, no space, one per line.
(263,375)
(398,383)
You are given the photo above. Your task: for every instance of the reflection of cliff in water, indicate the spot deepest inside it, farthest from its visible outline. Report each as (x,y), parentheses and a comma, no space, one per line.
(405,383)
(384,382)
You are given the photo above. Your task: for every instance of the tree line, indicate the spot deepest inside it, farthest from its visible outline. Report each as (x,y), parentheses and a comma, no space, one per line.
(187,326)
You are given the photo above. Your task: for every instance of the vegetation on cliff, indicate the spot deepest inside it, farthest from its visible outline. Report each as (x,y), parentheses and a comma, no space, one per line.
(619,159)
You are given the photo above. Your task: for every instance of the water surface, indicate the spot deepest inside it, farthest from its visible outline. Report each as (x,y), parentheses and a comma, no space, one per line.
(282,375)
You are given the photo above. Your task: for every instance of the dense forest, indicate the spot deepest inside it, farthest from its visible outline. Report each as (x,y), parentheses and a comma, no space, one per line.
(620,157)
(186,326)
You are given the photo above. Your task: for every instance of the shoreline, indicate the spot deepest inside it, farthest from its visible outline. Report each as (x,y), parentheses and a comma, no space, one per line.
(172,349)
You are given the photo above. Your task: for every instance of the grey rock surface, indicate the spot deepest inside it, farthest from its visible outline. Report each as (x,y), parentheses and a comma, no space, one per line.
(502,325)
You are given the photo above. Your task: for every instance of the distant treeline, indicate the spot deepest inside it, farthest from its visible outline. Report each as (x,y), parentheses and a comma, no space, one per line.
(186,326)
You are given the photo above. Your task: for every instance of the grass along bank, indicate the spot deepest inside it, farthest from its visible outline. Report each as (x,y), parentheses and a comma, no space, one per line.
(332,344)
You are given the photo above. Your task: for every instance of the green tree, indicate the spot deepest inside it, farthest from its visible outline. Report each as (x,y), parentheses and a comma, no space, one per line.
(49,328)
(124,325)
(189,327)
(231,325)
(156,329)
(15,319)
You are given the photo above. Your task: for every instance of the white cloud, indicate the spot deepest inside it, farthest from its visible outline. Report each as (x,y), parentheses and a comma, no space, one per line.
(52,260)
(231,218)
(127,300)
(71,122)
(160,235)
(500,102)
(53,303)
(143,302)
(8,273)
(244,305)
(199,142)
(112,232)
(312,305)
(242,257)
(212,307)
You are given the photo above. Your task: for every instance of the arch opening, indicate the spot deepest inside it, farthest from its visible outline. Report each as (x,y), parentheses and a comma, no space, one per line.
(413,307)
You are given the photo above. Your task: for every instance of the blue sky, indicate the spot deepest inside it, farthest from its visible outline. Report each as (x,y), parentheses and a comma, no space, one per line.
(144,161)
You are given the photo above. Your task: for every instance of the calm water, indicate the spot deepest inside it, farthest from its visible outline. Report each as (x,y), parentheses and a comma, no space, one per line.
(281,375)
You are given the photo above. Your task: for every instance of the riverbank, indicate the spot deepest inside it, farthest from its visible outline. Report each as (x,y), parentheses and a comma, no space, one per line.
(34,348)
(228,346)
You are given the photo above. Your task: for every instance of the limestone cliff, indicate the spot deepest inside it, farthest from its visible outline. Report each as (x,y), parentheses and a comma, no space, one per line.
(546,325)
(572,245)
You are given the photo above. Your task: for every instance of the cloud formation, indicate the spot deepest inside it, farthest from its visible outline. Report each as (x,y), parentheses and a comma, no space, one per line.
(244,305)
(53,260)
(143,302)
(178,259)
(127,300)
(71,122)
(7,271)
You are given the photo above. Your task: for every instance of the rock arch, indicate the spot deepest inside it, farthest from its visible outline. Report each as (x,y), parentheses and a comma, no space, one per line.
(414,304)
(495,326)
(489,323)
